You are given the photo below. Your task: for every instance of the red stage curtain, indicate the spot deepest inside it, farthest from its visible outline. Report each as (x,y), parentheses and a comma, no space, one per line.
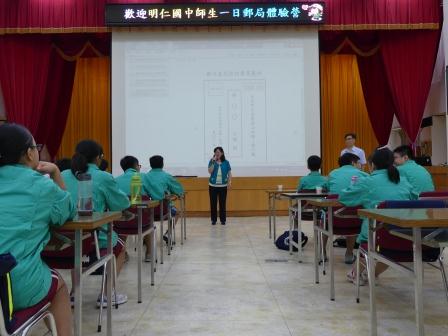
(24,63)
(409,59)
(57,102)
(21,16)
(379,103)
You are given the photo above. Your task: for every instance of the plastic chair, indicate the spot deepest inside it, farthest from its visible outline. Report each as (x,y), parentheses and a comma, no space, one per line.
(399,249)
(21,322)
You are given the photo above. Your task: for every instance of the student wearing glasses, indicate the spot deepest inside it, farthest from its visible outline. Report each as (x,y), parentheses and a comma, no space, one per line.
(106,196)
(350,140)
(29,205)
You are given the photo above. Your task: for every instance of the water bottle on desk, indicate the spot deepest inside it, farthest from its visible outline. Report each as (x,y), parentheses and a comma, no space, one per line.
(85,197)
(136,189)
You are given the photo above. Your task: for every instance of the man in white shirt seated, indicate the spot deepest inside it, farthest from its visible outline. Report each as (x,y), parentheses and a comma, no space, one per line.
(350,139)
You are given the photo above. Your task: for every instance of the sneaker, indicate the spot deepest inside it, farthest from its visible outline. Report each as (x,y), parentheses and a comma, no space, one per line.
(213,223)
(148,258)
(223,223)
(165,238)
(351,277)
(121,298)
(349,259)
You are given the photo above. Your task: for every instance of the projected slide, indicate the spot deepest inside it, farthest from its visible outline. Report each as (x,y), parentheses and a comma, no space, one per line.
(181,95)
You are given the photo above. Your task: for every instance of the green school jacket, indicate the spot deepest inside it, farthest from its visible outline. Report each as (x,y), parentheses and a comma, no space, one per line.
(370,191)
(417,176)
(106,196)
(29,204)
(160,182)
(311,181)
(124,182)
(341,178)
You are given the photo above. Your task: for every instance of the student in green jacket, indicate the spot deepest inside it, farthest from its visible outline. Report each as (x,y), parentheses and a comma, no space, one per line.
(30,204)
(159,183)
(131,166)
(349,172)
(383,184)
(417,175)
(106,196)
(314,178)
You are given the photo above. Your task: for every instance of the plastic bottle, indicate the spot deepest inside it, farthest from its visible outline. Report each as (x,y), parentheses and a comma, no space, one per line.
(85,196)
(136,189)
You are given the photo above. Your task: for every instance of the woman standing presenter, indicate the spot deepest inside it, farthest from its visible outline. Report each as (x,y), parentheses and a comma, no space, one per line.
(220,180)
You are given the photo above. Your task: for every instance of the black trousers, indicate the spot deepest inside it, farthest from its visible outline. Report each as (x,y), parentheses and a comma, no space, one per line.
(218,194)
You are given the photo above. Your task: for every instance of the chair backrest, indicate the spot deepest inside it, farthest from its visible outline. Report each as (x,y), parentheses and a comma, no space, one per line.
(7,263)
(434,195)
(134,220)
(345,217)
(165,203)
(385,240)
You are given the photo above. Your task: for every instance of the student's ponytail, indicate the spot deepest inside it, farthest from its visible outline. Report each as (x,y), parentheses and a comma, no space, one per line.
(87,151)
(384,159)
(79,164)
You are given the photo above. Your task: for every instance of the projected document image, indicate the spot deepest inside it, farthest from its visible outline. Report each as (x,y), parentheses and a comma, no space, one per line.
(235,117)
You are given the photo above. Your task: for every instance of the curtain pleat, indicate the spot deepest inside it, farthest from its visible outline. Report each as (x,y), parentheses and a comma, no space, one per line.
(343,108)
(89,115)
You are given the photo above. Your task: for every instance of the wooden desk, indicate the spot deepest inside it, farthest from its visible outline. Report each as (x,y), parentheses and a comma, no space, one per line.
(405,218)
(78,225)
(322,204)
(298,197)
(145,204)
(273,196)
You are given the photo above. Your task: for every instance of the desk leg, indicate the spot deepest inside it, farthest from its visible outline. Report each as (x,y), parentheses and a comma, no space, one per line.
(77,286)
(316,247)
(299,230)
(418,280)
(270,214)
(182,210)
(371,270)
(291,221)
(330,240)
(161,232)
(153,246)
(139,249)
(110,275)
(274,219)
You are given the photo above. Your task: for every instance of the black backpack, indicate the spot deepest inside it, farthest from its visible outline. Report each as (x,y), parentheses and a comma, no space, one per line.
(282,241)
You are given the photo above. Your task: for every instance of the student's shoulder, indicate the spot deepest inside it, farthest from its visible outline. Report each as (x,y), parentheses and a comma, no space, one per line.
(103,177)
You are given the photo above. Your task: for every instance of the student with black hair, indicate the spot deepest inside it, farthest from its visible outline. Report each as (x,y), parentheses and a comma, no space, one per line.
(314,178)
(106,196)
(159,183)
(383,184)
(417,175)
(64,164)
(349,172)
(104,165)
(29,205)
(131,166)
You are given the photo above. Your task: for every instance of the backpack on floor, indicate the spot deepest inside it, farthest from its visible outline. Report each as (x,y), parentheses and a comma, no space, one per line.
(282,241)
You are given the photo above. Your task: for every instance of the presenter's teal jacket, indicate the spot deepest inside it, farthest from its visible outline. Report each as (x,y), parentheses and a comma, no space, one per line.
(225,170)
(159,183)
(311,181)
(417,175)
(29,204)
(106,196)
(124,181)
(370,191)
(341,178)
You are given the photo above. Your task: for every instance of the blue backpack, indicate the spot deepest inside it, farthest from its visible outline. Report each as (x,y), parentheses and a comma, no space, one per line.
(282,241)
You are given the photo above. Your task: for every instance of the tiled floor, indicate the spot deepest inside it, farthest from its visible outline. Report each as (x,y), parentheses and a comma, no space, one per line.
(221,283)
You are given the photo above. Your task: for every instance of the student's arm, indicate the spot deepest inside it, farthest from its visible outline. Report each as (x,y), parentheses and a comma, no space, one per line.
(174,186)
(300,185)
(356,194)
(155,190)
(52,170)
(116,200)
(62,207)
